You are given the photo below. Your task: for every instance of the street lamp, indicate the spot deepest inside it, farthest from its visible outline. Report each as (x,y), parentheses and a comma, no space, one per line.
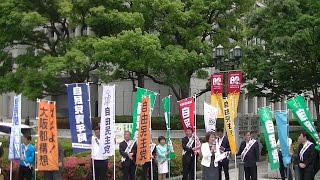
(234,56)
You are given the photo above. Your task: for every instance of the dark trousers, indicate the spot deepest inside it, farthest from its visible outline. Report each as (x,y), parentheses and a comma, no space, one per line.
(188,168)
(250,173)
(25,173)
(101,169)
(129,171)
(283,170)
(52,175)
(225,165)
(146,170)
(306,173)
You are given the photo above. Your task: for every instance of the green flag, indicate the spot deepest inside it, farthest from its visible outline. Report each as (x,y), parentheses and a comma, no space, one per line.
(166,110)
(297,106)
(269,136)
(137,107)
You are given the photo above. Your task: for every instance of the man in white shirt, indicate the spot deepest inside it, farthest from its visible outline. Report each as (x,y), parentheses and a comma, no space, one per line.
(100,161)
(284,170)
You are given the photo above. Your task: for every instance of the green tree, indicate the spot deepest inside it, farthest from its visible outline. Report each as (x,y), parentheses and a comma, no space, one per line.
(288,63)
(51,54)
(181,36)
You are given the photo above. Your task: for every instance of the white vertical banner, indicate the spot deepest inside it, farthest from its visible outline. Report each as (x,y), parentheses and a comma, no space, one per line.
(107,123)
(15,137)
(210,116)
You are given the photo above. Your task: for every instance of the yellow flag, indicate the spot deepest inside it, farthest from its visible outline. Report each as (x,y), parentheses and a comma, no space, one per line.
(229,125)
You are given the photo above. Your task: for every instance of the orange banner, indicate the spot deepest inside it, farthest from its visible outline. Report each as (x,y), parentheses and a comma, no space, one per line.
(143,143)
(216,82)
(229,125)
(47,141)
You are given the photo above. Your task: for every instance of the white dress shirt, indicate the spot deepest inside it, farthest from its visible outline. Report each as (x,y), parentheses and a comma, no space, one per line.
(95,150)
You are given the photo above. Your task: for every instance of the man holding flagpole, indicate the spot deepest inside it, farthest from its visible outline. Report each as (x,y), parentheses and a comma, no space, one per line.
(223,145)
(128,150)
(189,155)
(99,159)
(27,158)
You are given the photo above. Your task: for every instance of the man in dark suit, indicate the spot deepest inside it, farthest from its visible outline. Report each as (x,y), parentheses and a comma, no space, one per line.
(249,151)
(306,158)
(188,156)
(128,158)
(223,144)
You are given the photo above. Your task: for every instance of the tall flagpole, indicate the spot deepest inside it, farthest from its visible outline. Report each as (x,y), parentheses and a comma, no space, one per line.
(169,135)
(151,110)
(114,125)
(233,111)
(195,135)
(288,168)
(89,99)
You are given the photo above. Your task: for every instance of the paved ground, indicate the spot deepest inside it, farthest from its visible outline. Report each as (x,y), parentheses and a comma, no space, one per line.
(262,173)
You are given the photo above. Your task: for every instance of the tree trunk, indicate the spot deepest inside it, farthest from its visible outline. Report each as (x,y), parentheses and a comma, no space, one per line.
(185,91)
(316,103)
(140,77)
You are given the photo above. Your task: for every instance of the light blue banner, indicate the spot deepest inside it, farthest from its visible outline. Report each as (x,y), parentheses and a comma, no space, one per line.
(15,136)
(282,126)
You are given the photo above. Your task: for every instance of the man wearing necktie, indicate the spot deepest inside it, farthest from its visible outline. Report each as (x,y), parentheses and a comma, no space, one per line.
(223,146)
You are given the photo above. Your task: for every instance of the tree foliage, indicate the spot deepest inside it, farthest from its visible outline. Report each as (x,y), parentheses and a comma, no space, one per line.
(166,41)
(289,61)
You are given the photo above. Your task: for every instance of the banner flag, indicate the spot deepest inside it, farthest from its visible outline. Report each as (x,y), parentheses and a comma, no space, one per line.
(209,116)
(167,111)
(282,126)
(229,125)
(216,92)
(269,136)
(79,117)
(186,111)
(107,123)
(234,87)
(15,136)
(137,107)
(47,141)
(144,139)
(298,107)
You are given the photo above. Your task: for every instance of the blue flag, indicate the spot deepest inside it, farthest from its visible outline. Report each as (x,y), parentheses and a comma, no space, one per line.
(15,136)
(79,117)
(282,126)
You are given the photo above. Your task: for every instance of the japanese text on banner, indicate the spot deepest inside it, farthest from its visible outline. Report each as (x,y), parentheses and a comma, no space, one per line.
(47,147)
(79,117)
(143,146)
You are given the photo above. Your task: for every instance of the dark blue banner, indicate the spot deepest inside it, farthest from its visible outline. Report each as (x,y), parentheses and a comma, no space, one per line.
(79,117)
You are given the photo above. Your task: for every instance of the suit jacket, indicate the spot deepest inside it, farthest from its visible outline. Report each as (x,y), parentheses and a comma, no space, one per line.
(206,154)
(308,157)
(226,146)
(189,155)
(252,156)
(122,148)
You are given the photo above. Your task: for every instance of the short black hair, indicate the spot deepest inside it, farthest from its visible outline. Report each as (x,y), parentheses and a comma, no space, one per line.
(97,128)
(161,138)
(190,128)
(219,130)
(246,132)
(304,134)
(27,136)
(208,135)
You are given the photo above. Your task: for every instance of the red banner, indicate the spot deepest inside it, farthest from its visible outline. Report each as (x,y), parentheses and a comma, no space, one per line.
(216,82)
(234,87)
(186,111)
(234,82)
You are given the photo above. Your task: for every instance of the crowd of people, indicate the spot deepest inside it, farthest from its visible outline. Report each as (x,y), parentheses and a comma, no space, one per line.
(214,153)
(305,159)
